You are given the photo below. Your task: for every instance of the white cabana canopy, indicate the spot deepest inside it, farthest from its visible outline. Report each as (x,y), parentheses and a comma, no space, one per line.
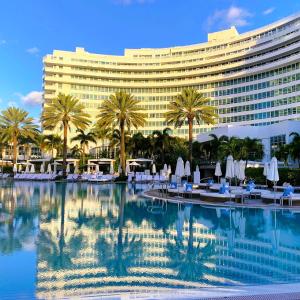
(134,163)
(140,160)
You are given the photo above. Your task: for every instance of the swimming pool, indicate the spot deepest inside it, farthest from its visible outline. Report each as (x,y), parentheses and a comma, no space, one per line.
(78,239)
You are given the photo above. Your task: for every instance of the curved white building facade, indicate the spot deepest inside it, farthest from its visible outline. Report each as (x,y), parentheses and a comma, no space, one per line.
(251,78)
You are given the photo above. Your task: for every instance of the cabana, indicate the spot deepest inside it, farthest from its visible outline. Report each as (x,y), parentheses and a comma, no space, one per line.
(70,161)
(102,162)
(144,163)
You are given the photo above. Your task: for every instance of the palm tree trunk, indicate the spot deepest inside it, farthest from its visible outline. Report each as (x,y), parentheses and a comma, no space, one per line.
(65,148)
(122,147)
(190,140)
(15,149)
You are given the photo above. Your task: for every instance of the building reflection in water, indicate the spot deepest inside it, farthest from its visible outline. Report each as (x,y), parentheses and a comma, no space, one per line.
(107,238)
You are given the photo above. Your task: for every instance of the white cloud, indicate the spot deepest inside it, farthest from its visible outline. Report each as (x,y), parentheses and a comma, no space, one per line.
(268,11)
(3,42)
(32,98)
(33,50)
(129,2)
(12,103)
(233,16)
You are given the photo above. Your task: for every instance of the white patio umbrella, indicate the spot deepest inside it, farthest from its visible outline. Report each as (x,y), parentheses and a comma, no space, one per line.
(68,168)
(134,163)
(20,168)
(229,168)
(15,168)
(42,169)
(111,168)
(179,167)
(218,171)
(27,168)
(97,168)
(165,170)
(273,171)
(127,168)
(169,170)
(187,168)
(32,168)
(76,169)
(266,170)
(197,175)
(242,167)
(154,169)
(49,169)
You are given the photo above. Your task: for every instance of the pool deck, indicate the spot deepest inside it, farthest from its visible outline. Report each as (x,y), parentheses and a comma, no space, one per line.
(155,194)
(263,292)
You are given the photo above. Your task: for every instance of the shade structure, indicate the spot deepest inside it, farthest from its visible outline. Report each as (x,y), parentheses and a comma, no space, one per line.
(236,169)
(68,168)
(42,168)
(49,169)
(97,168)
(15,168)
(273,170)
(266,169)
(218,171)
(187,168)
(229,167)
(242,167)
(153,169)
(20,168)
(27,168)
(179,167)
(111,168)
(134,163)
(32,168)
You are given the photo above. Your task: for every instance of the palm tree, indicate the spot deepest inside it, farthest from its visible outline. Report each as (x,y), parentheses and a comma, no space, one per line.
(14,124)
(215,146)
(188,106)
(161,142)
(121,110)
(52,142)
(251,149)
(65,110)
(84,139)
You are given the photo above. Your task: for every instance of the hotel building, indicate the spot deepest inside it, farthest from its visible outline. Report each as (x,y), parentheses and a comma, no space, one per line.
(252,78)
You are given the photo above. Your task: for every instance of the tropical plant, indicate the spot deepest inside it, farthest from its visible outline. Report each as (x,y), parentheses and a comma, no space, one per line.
(64,111)
(121,110)
(188,106)
(14,124)
(52,142)
(283,153)
(295,146)
(84,139)
(251,149)
(161,142)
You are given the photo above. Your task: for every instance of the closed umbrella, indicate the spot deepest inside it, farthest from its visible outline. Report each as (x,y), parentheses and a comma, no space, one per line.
(273,173)
(266,170)
(111,168)
(32,169)
(165,169)
(27,168)
(187,169)
(154,169)
(197,176)
(42,169)
(55,168)
(236,169)
(242,167)
(20,168)
(68,168)
(179,167)
(49,169)
(15,168)
(97,168)
(218,171)
(229,167)
(169,170)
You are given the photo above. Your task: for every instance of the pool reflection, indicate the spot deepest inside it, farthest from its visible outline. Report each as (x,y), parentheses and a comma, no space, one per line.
(107,238)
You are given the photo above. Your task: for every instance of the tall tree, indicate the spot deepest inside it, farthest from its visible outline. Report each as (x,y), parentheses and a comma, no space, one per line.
(65,110)
(52,142)
(121,110)
(161,142)
(188,106)
(295,146)
(14,124)
(84,138)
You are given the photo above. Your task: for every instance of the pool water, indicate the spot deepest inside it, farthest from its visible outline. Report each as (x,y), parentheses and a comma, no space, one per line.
(77,239)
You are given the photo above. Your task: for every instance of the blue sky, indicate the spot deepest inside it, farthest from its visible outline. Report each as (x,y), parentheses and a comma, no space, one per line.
(30,29)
